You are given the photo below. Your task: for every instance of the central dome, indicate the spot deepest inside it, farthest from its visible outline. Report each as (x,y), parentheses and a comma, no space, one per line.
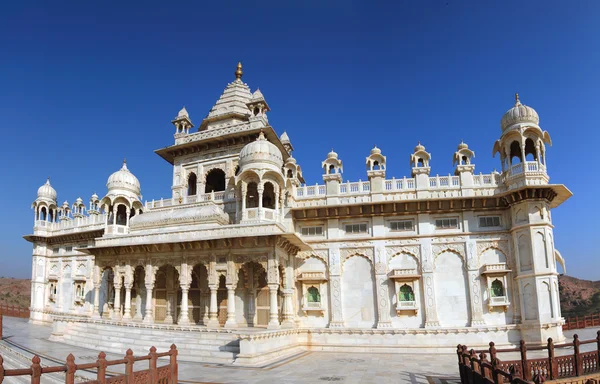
(519,114)
(46,191)
(123,180)
(261,151)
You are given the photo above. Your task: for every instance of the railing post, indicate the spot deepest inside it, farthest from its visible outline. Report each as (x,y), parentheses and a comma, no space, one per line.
(578,365)
(152,365)
(101,375)
(36,370)
(475,369)
(524,362)
(71,368)
(482,362)
(552,367)
(129,366)
(1,369)
(173,364)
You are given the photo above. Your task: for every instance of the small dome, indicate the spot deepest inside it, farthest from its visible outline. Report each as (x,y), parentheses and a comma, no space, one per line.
(257,95)
(183,113)
(332,155)
(261,151)
(462,145)
(46,191)
(290,160)
(375,151)
(419,147)
(66,204)
(94,197)
(79,201)
(519,114)
(123,180)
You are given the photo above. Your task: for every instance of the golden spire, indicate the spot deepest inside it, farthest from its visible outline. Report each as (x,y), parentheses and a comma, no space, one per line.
(517,98)
(238,71)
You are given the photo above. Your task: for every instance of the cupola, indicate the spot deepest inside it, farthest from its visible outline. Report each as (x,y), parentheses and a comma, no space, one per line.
(419,160)
(46,192)
(182,122)
(519,115)
(261,154)
(123,182)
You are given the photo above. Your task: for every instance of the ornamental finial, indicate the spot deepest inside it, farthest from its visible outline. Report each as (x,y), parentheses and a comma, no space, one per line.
(517,99)
(124,160)
(238,72)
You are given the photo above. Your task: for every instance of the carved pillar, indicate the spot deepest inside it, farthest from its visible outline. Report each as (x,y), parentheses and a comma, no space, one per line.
(281,205)
(149,317)
(244,193)
(185,279)
(337,319)
(474,285)
(288,309)
(231,322)
(213,321)
(273,284)
(127,314)
(260,189)
(96,313)
(431,317)
(382,288)
(273,314)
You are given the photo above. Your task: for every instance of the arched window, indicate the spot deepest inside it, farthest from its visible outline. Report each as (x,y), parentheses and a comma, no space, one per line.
(406,293)
(132,213)
(313,295)
(515,151)
(121,215)
(51,216)
(192,182)
(376,165)
(215,181)
(252,195)
(43,213)
(530,151)
(420,162)
(290,173)
(332,168)
(268,198)
(497,290)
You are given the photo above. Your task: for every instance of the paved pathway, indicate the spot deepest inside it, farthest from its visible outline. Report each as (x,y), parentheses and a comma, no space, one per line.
(308,367)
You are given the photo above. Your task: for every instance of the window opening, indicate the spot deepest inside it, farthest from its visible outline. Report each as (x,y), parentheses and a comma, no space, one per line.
(497,290)
(406,293)
(192,184)
(215,181)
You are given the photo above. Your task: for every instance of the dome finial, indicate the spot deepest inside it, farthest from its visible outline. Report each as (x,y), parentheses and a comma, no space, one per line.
(238,72)
(517,101)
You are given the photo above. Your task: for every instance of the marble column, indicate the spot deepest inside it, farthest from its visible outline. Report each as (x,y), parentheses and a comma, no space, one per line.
(260,190)
(273,313)
(288,314)
(96,313)
(382,288)
(335,283)
(116,315)
(431,317)
(474,284)
(149,317)
(127,314)
(251,307)
(138,304)
(184,317)
(213,321)
(231,321)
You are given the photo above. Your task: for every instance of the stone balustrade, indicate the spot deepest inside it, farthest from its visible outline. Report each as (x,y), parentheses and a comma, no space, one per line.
(80,224)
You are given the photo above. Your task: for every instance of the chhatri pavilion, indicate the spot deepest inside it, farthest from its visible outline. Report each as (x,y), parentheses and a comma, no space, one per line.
(245,263)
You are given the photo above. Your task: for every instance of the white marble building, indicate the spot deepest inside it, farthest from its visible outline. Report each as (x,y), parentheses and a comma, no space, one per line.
(243,248)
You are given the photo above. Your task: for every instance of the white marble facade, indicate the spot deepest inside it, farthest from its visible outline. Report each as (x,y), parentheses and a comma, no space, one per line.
(242,242)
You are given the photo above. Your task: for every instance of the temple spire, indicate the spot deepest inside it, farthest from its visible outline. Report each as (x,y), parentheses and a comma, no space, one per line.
(238,72)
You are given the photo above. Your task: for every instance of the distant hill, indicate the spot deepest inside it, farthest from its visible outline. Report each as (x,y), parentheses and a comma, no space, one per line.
(577,297)
(15,291)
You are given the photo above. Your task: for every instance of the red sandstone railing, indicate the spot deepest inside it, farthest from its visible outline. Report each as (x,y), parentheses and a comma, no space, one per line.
(475,368)
(166,374)
(14,311)
(582,322)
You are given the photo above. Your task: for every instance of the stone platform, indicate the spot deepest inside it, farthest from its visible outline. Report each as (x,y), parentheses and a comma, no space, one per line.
(256,346)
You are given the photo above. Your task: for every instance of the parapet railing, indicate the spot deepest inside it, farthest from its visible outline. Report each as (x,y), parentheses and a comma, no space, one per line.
(166,374)
(220,197)
(474,367)
(578,322)
(13,311)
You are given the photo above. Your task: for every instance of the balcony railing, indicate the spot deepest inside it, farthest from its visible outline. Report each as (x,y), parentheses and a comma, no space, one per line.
(526,167)
(218,197)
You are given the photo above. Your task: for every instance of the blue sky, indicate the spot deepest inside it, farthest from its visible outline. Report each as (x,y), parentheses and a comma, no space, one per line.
(85,84)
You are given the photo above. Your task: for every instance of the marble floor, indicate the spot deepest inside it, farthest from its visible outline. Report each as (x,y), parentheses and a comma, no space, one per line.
(307,367)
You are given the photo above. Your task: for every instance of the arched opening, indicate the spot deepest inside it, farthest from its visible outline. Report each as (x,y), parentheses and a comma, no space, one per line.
(530,152)
(268,198)
(121,214)
(252,195)
(406,293)
(332,168)
(192,184)
(256,111)
(420,162)
(290,174)
(515,151)
(43,213)
(465,159)
(376,165)
(497,289)
(236,171)
(215,181)
(51,216)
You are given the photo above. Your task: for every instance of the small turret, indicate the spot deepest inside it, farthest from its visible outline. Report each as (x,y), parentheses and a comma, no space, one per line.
(182,122)
(419,161)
